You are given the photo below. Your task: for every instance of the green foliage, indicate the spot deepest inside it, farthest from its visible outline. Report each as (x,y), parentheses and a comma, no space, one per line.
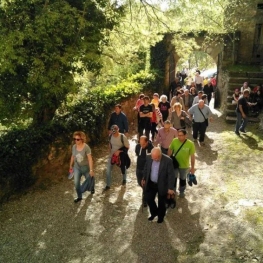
(42,44)
(90,112)
(21,149)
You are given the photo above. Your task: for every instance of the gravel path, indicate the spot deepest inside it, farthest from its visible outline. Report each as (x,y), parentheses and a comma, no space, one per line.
(219,220)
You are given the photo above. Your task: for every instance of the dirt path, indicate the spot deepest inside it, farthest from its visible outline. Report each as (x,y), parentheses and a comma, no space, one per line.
(219,220)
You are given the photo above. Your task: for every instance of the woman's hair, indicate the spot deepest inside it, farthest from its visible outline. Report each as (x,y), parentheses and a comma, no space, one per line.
(178,104)
(204,96)
(81,134)
(163,97)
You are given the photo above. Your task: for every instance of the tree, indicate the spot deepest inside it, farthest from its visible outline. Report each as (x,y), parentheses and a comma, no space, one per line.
(43,45)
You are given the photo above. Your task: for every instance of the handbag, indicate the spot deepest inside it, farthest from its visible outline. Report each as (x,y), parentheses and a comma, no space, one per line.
(175,162)
(182,123)
(206,120)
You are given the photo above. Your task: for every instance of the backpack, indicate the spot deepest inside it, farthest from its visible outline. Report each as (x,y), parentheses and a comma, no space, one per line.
(122,141)
(116,159)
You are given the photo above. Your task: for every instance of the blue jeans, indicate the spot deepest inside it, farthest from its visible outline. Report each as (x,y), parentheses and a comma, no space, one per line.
(108,173)
(241,122)
(78,172)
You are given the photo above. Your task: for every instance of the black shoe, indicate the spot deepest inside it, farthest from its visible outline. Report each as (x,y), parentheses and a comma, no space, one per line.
(190,182)
(92,191)
(106,188)
(194,179)
(160,220)
(237,133)
(189,179)
(173,203)
(124,182)
(167,204)
(77,199)
(151,217)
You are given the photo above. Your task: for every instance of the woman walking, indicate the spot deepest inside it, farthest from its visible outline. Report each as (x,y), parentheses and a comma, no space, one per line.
(178,117)
(80,162)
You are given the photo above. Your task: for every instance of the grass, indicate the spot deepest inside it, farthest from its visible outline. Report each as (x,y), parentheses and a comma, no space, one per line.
(255,216)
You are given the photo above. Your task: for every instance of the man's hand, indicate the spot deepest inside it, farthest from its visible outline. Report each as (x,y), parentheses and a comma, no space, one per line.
(142,182)
(117,153)
(192,170)
(170,192)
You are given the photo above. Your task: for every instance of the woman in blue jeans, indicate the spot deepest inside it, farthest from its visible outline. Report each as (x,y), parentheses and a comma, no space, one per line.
(80,162)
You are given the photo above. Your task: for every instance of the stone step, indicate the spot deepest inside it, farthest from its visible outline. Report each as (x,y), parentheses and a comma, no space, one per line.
(232,112)
(247,75)
(230,106)
(233,86)
(251,83)
(232,119)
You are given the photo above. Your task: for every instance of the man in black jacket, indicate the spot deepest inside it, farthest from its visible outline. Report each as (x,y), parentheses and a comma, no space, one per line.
(119,118)
(158,177)
(143,148)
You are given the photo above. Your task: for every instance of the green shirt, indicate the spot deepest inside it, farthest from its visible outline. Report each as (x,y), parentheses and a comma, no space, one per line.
(185,152)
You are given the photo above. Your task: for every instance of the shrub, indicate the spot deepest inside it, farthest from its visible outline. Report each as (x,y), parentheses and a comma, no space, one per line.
(21,149)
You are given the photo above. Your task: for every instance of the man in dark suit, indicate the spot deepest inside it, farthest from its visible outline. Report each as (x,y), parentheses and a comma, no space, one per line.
(158,177)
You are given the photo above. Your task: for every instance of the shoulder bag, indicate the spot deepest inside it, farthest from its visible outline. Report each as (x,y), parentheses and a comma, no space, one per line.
(175,162)
(206,120)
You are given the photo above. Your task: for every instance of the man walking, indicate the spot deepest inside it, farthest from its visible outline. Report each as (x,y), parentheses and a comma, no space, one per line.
(120,119)
(200,113)
(242,112)
(165,136)
(186,152)
(143,148)
(158,177)
(146,111)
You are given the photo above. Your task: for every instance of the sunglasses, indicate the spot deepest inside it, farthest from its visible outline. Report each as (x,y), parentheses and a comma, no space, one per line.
(76,139)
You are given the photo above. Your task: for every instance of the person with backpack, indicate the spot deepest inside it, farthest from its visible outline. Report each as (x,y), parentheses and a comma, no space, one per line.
(118,147)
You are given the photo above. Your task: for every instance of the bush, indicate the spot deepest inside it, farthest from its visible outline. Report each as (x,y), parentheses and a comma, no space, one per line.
(21,149)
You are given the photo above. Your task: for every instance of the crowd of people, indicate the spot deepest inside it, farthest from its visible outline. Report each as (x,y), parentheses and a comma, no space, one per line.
(164,153)
(255,97)
(247,100)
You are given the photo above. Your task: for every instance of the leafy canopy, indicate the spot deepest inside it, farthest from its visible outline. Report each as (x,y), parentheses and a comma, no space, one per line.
(44,44)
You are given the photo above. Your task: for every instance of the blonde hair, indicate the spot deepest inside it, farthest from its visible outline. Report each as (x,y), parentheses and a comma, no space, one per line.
(81,134)
(178,104)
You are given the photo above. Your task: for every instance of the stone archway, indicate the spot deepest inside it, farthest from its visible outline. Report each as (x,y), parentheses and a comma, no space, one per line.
(214,47)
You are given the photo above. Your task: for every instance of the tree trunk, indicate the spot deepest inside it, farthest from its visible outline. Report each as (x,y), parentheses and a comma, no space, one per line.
(45,111)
